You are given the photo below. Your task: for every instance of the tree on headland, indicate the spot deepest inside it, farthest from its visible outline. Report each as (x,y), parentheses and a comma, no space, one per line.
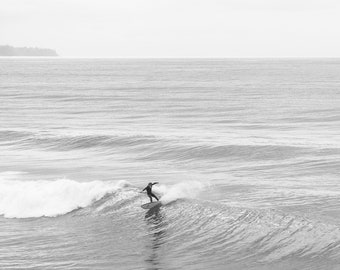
(6,50)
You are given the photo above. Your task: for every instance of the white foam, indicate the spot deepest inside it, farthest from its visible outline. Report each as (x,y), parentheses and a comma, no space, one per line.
(182,190)
(23,199)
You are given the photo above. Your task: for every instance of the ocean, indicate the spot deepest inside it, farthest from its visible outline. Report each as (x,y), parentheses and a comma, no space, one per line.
(246,153)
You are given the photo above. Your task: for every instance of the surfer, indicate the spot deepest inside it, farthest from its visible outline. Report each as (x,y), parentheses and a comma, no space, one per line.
(148,189)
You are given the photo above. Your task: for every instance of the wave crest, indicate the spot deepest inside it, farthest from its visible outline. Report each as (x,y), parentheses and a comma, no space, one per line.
(23,199)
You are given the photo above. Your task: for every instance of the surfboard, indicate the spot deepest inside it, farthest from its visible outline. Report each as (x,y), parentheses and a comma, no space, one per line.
(151,205)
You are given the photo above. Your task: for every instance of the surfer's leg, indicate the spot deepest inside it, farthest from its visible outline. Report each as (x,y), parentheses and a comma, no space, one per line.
(153,195)
(150,196)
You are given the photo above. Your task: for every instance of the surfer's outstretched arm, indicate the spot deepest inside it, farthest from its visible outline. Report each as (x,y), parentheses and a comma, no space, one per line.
(154,183)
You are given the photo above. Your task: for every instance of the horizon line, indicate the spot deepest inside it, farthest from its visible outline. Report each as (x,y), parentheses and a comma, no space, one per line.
(166,57)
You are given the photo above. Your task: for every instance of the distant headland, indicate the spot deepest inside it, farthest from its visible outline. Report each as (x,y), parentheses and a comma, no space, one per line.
(6,50)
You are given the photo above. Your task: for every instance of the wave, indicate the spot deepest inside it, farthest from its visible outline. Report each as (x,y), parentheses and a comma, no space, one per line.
(212,229)
(216,230)
(223,152)
(152,147)
(57,142)
(266,234)
(26,199)
(23,199)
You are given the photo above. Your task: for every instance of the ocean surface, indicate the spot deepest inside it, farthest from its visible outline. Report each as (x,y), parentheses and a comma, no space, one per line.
(246,153)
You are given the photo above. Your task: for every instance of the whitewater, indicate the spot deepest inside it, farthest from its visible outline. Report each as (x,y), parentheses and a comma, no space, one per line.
(246,153)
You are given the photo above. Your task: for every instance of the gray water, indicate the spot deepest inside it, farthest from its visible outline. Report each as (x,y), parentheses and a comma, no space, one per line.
(246,153)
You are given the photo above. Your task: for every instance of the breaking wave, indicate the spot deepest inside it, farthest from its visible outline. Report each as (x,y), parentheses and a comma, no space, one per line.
(24,199)
(212,229)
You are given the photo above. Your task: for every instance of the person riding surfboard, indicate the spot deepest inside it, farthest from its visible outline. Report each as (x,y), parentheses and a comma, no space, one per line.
(148,189)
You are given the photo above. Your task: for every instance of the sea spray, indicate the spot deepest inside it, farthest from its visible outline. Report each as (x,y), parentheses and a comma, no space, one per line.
(23,199)
(179,191)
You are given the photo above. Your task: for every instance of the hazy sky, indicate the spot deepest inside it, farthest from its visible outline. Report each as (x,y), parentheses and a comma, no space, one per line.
(174,28)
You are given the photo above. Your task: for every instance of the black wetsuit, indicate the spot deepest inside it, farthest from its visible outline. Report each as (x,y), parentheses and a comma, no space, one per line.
(149,192)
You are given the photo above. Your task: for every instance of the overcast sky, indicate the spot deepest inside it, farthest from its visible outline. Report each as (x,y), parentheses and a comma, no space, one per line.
(174,28)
